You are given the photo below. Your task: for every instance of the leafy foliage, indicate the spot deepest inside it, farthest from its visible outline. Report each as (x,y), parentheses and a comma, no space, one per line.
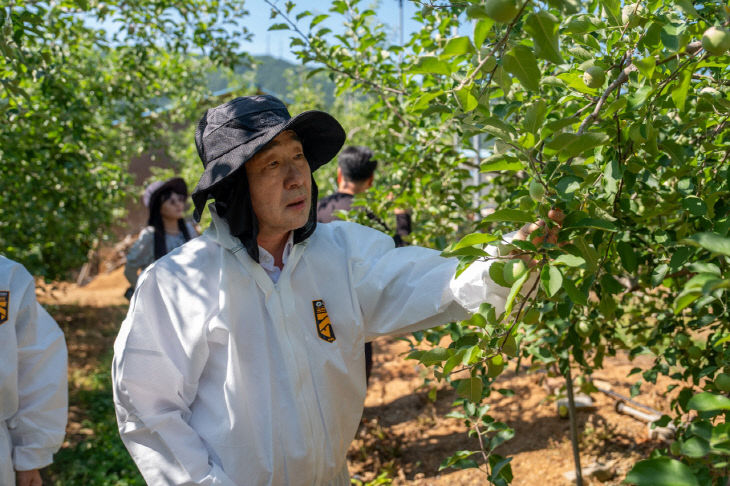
(614,114)
(84,87)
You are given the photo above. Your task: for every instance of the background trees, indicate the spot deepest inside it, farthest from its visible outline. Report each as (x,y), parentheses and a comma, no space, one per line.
(615,113)
(82,88)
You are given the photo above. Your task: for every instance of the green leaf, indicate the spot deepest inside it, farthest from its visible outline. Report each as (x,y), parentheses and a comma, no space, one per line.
(318,19)
(710,241)
(646,66)
(456,47)
(694,205)
(695,447)
(501,164)
(628,257)
(477,320)
(430,65)
(471,389)
(279,27)
(595,223)
(496,273)
(661,471)
(535,116)
(551,279)
(572,145)
(612,9)
(577,296)
(481,31)
(510,215)
(708,402)
(460,460)
(543,28)
(466,98)
(569,260)
(498,128)
(684,299)
(520,62)
(474,239)
(679,93)
(434,356)
(514,291)
(688,9)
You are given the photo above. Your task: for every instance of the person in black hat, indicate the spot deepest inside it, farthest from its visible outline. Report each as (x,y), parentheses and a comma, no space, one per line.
(166,227)
(241,358)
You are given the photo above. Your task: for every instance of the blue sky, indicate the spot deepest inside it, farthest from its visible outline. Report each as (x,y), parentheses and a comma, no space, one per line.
(276,43)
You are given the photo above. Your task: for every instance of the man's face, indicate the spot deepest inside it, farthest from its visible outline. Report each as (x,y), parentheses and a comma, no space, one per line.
(280,183)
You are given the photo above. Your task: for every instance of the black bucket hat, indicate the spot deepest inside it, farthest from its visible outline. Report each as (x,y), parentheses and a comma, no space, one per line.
(230,134)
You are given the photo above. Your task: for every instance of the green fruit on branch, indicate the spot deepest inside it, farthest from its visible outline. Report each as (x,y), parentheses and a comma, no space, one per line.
(584,328)
(676,448)
(594,77)
(537,190)
(722,382)
(694,352)
(501,10)
(716,41)
(682,340)
(513,269)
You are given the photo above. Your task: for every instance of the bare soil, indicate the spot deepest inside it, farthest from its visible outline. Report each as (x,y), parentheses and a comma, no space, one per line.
(403,433)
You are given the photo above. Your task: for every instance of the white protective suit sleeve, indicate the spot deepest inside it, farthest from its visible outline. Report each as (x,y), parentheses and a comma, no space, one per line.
(154,425)
(38,427)
(412,288)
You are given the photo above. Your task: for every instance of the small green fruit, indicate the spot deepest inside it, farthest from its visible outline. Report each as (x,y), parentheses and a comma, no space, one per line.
(675,448)
(537,190)
(694,352)
(584,328)
(513,269)
(722,382)
(594,77)
(682,341)
(501,10)
(563,411)
(716,41)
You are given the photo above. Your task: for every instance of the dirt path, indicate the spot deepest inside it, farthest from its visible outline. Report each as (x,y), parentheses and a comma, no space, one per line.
(404,434)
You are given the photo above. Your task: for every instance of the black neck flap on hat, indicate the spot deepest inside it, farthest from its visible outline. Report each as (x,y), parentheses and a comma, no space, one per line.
(233,203)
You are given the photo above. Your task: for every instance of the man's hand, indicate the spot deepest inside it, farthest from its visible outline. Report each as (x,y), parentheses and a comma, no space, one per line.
(28,478)
(552,237)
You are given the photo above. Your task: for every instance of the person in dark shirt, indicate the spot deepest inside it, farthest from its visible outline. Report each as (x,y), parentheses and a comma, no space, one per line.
(355,174)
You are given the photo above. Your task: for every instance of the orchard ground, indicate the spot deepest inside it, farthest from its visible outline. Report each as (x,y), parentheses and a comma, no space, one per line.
(404,435)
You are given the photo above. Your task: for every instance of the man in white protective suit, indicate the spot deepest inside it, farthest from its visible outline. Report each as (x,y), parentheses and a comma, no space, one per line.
(33,380)
(241,359)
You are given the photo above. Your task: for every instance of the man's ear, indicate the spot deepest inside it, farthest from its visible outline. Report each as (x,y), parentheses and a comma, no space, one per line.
(339,176)
(369,182)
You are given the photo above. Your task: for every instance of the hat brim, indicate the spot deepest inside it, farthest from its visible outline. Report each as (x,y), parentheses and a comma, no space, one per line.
(177,184)
(321,134)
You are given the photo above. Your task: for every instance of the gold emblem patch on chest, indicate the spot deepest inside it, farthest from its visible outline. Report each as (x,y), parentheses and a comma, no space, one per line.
(4,305)
(322,320)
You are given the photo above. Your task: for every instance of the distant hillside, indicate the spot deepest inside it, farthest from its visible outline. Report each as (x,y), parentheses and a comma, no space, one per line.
(270,76)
